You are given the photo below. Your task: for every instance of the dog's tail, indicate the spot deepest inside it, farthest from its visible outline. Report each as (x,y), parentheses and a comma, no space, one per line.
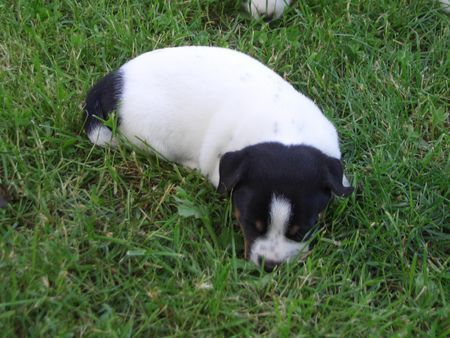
(101,100)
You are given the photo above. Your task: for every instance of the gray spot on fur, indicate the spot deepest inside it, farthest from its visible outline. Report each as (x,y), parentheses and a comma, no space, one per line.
(244,77)
(275,128)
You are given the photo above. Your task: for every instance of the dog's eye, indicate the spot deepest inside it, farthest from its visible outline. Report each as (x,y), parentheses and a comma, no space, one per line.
(259,225)
(293,230)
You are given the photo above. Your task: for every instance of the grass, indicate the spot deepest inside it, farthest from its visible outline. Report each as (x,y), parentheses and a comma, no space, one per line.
(100,242)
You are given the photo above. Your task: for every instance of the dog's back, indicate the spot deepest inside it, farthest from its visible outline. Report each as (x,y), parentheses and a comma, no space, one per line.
(192,104)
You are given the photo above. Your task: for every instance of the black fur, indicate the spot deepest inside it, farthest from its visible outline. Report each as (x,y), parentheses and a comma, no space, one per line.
(102,99)
(302,174)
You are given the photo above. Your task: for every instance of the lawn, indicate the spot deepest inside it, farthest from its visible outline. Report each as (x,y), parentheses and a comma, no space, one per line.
(113,242)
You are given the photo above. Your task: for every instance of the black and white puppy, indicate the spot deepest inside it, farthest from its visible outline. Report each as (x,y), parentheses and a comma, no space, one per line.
(238,122)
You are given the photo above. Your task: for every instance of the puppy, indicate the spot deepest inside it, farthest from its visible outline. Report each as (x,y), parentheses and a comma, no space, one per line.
(243,126)
(266,9)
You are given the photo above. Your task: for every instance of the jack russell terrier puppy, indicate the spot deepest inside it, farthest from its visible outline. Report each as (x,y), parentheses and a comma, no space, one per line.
(242,125)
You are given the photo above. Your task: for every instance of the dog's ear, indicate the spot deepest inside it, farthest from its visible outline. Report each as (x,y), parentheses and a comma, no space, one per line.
(232,168)
(335,179)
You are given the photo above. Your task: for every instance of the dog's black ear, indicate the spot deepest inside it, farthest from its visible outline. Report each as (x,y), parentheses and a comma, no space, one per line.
(334,177)
(232,168)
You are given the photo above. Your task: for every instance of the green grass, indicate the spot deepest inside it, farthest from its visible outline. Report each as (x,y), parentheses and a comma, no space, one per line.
(100,242)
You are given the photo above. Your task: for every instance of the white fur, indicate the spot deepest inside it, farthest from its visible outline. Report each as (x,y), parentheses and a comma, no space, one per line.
(193,104)
(345,182)
(101,136)
(445,5)
(266,8)
(274,246)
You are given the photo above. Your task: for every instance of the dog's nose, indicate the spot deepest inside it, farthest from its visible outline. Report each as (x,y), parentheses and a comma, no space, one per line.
(268,265)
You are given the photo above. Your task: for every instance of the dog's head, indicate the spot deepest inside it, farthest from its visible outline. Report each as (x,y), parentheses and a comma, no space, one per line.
(278,192)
